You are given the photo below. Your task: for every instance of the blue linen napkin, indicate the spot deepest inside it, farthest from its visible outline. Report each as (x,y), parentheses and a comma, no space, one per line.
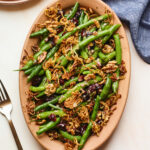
(136,13)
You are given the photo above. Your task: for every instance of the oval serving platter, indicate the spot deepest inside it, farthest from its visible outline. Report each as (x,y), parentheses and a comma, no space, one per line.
(94,141)
(12,2)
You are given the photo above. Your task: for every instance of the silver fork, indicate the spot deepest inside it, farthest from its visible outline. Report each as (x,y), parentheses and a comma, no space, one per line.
(5,110)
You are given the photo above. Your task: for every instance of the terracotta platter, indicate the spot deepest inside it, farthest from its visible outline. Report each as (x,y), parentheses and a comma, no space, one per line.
(12,2)
(94,141)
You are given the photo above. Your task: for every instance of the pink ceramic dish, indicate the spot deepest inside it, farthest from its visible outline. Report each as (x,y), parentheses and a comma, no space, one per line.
(94,141)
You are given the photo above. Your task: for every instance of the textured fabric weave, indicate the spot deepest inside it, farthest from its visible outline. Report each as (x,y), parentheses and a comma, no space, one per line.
(136,13)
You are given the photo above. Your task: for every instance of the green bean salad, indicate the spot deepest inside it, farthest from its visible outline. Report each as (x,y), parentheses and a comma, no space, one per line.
(74,74)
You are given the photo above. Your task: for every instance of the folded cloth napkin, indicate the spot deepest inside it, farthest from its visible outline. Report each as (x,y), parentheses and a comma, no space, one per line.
(137,14)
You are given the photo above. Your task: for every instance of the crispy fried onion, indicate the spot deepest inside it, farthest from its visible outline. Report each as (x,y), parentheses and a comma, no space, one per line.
(73,101)
(99,42)
(96,128)
(49,63)
(71,145)
(89,77)
(72,125)
(56,73)
(122,68)
(83,114)
(51,12)
(50,89)
(42,57)
(113,100)
(30,107)
(53,135)
(97,23)
(110,67)
(107,49)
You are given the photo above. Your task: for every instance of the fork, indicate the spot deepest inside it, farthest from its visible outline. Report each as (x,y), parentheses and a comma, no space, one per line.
(5,110)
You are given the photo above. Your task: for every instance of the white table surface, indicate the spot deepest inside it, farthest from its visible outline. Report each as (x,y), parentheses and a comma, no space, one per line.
(133,131)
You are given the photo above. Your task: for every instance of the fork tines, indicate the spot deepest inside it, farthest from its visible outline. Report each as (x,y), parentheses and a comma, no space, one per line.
(3,93)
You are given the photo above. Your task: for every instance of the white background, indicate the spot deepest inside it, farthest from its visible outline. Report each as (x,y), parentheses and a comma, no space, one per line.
(133,131)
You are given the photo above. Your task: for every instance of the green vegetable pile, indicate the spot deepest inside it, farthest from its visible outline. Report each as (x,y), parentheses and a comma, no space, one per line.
(74,73)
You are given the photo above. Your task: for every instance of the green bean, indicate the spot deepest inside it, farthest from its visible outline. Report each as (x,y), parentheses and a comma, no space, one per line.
(40,94)
(82,26)
(63,91)
(109,95)
(93,29)
(78,87)
(73,12)
(42,126)
(68,66)
(64,62)
(80,37)
(86,72)
(81,18)
(69,136)
(118,49)
(93,37)
(86,18)
(96,107)
(48,75)
(60,34)
(48,126)
(112,30)
(45,114)
(85,136)
(99,34)
(55,48)
(28,65)
(90,65)
(115,84)
(52,52)
(28,71)
(118,59)
(84,53)
(55,107)
(46,104)
(83,104)
(43,81)
(34,72)
(43,42)
(103,25)
(70,81)
(108,26)
(84,50)
(40,32)
(87,41)
(60,59)
(42,72)
(41,87)
(102,96)
(96,50)
(45,47)
(37,89)
(108,57)
(101,55)
(66,15)
(106,89)
(81,21)
(67,83)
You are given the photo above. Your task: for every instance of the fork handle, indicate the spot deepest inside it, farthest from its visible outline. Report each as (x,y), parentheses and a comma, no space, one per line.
(15,135)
